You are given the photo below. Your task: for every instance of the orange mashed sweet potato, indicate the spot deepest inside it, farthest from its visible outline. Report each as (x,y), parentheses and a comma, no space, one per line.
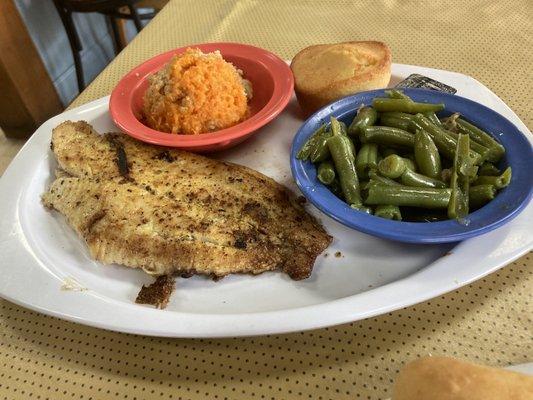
(196,93)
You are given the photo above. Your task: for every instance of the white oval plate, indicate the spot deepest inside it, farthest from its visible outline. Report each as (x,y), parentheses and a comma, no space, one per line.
(46,267)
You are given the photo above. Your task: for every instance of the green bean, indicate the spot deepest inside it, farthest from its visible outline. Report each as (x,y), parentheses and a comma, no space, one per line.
(376,178)
(335,126)
(483,151)
(387,136)
(408,196)
(326,172)
(488,169)
(463,163)
(444,142)
(493,154)
(392,166)
(305,151)
(477,135)
(386,119)
(395,166)
(344,160)
(366,159)
(460,180)
(320,151)
(427,155)
(404,105)
(398,119)
(480,195)
(339,127)
(388,212)
(397,94)
(397,114)
(366,116)
(343,127)
(410,178)
(473,172)
(433,118)
(499,182)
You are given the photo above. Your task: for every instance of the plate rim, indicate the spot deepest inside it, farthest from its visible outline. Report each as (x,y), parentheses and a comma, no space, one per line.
(179,324)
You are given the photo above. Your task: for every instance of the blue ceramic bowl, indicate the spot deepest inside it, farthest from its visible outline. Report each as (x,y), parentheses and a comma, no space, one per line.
(507,204)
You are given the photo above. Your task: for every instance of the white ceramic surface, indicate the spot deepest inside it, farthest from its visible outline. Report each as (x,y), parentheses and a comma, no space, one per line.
(526,368)
(523,368)
(46,267)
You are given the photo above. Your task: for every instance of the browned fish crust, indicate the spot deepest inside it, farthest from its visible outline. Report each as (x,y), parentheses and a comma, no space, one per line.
(169,211)
(158,293)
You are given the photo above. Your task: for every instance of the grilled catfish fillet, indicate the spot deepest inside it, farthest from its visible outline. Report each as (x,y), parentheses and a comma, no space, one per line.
(169,211)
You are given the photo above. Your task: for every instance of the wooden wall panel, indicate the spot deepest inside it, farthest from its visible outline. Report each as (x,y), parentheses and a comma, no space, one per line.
(27,96)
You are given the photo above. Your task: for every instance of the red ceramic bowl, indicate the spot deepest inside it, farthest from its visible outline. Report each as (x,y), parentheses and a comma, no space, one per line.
(272,84)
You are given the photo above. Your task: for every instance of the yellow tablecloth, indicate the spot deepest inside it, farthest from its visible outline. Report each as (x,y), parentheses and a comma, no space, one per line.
(488,322)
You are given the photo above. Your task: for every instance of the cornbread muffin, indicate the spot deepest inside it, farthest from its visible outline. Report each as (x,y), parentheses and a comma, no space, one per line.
(327,72)
(444,378)
(196,93)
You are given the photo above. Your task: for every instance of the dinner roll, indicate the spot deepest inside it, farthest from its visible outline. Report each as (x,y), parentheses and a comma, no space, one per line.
(327,72)
(443,378)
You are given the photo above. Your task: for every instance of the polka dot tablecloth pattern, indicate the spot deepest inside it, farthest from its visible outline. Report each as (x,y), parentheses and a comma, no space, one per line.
(489,321)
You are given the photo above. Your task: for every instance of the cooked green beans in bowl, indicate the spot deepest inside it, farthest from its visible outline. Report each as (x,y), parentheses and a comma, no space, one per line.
(397,159)
(415,166)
